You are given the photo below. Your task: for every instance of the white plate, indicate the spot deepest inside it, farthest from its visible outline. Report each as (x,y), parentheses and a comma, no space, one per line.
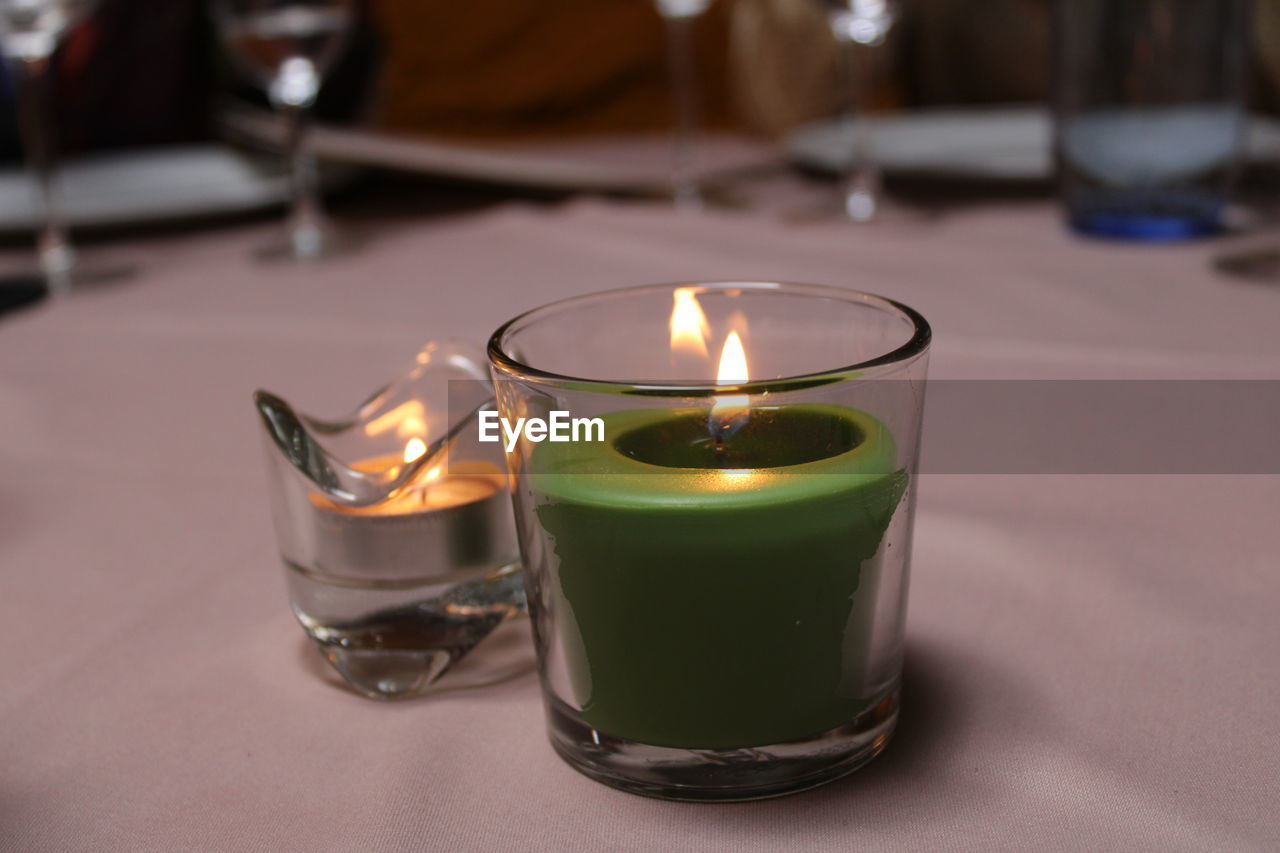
(148,185)
(621,164)
(1004,143)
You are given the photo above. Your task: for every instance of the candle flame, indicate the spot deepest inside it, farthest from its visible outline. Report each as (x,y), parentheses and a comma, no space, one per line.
(420,489)
(730,411)
(733,362)
(414,450)
(689,327)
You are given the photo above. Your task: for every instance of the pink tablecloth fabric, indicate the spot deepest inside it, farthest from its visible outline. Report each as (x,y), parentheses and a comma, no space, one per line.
(1094,661)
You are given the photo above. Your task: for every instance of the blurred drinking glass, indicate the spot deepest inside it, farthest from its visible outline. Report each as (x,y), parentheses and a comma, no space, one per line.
(679,17)
(1149,114)
(858,26)
(30,31)
(287,46)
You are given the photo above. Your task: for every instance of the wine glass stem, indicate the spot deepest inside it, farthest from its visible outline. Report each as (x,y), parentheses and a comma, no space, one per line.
(306,222)
(684,97)
(35,109)
(860,183)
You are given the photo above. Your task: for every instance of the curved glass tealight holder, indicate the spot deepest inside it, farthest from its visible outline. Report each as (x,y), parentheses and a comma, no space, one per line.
(718,584)
(396,529)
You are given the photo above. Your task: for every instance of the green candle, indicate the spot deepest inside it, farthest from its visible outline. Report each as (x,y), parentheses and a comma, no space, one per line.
(717,595)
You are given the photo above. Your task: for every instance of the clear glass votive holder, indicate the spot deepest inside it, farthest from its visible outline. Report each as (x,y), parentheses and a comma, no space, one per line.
(716,556)
(1149,114)
(396,530)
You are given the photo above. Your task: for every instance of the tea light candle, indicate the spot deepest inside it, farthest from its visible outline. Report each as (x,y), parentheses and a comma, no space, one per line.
(432,490)
(442,521)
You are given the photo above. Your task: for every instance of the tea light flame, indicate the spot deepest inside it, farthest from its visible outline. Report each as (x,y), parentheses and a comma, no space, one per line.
(414,450)
(689,327)
(730,411)
(422,490)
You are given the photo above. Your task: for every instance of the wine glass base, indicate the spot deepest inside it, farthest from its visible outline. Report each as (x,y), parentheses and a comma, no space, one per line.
(33,285)
(89,277)
(21,290)
(885,213)
(703,197)
(1262,265)
(306,246)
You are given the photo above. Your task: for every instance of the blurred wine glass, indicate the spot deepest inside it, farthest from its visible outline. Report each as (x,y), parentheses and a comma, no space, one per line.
(859,26)
(679,17)
(287,46)
(30,31)
(1258,264)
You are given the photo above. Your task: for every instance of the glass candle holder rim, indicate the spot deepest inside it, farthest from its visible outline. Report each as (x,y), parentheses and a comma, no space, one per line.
(293,433)
(916,346)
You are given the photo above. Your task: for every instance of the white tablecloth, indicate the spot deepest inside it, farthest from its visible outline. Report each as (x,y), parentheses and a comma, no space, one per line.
(1094,661)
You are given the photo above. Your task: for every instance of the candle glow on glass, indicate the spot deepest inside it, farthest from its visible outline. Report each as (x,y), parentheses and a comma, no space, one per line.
(689,327)
(407,419)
